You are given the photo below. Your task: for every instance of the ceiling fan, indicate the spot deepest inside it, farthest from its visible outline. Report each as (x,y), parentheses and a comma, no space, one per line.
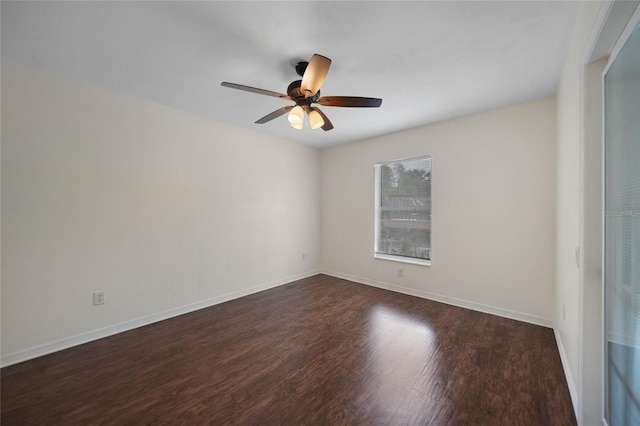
(306,92)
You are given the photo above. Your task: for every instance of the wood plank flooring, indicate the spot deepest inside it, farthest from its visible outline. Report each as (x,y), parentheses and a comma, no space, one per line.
(317,351)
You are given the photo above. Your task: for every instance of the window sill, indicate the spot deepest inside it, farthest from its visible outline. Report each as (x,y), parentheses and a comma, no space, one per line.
(402,259)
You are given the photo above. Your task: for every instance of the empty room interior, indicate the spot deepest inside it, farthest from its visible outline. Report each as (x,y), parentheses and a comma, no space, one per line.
(307,212)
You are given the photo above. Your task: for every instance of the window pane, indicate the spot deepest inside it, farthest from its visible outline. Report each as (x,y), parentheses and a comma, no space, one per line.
(404,208)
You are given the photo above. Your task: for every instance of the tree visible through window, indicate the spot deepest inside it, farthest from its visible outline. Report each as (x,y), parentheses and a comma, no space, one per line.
(403,210)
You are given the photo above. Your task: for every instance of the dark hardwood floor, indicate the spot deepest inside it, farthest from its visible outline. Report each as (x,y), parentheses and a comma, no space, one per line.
(318,351)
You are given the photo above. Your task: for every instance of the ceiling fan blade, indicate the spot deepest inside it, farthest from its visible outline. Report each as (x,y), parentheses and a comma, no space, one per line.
(327,124)
(275,114)
(255,90)
(314,75)
(350,101)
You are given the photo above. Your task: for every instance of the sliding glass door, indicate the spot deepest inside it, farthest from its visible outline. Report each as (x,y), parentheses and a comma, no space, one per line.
(622,235)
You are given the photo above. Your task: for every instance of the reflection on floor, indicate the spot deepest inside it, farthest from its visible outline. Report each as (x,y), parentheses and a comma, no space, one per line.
(318,351)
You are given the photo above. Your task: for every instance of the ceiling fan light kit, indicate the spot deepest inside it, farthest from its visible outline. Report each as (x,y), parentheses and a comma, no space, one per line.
(306,92)
(296,117)
(315,119)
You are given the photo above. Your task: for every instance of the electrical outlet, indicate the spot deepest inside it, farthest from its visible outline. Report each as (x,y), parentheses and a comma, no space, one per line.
(400,272)
(304,256)
(98,298)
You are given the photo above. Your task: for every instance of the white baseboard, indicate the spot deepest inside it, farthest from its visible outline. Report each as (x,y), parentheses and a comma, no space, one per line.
(506,313)
(79,339)
(567,372)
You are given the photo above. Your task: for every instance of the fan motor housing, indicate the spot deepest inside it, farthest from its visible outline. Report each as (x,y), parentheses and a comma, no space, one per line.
(296,94)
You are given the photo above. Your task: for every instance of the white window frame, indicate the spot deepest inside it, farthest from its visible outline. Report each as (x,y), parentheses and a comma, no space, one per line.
(376,212)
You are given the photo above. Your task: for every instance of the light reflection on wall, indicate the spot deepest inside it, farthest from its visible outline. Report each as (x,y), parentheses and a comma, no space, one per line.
(403,361)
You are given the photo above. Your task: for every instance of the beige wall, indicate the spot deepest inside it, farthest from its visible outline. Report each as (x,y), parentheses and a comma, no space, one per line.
(162,210)
(493,212)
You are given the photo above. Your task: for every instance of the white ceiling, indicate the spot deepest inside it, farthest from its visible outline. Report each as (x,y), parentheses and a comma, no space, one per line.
(428,61)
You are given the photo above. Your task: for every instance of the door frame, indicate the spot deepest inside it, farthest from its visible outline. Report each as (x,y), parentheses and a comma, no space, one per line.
(612,27)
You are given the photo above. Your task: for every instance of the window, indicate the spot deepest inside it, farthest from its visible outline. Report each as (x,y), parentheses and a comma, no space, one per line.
(403,210)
